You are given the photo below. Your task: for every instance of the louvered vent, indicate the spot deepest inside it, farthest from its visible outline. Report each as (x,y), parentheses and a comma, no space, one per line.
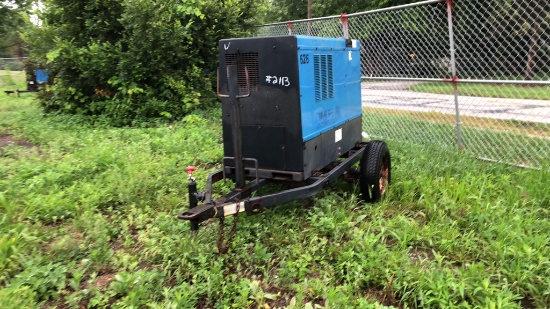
(250,61)
(324,77)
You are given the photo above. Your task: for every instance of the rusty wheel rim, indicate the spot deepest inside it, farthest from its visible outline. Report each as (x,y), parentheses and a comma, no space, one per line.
(384,176)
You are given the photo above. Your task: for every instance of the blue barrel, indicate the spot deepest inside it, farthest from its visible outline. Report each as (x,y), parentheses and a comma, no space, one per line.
(41,75)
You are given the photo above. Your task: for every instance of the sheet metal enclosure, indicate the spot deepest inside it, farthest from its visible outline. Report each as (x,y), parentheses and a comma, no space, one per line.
(304,108)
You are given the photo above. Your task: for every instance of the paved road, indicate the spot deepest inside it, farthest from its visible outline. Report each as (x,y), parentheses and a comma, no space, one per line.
(392,95)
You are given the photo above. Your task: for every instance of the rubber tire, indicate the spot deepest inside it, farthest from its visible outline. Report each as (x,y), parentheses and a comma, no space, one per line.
(375,158)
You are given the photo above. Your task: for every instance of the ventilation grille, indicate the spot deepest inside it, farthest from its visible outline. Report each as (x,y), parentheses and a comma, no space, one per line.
(324,77)
(242,61)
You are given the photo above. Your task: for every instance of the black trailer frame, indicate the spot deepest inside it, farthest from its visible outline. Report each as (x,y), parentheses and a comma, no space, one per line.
(240,200)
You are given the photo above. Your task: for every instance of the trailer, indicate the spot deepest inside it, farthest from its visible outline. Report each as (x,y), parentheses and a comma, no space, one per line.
(291,114)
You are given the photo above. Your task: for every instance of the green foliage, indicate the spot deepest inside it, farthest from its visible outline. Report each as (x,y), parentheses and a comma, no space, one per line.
(10,15)
(17,298)
(14,19)
(44,280)
(133,60)
(11,80)
(6,79)
(87,219)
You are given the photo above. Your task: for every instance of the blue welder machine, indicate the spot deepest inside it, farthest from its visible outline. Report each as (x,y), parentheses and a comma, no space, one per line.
(291,113)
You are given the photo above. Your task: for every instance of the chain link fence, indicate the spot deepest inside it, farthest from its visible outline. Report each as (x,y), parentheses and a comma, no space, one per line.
(468,74)
(11,64)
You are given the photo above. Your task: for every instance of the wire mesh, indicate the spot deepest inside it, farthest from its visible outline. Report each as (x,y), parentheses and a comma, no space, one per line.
(497,107)
(11,64)
(504,41)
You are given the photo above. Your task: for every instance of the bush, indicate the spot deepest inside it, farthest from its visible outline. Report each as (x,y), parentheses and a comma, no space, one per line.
(136,59)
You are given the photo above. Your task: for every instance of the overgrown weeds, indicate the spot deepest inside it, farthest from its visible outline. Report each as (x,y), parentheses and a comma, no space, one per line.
(90,221)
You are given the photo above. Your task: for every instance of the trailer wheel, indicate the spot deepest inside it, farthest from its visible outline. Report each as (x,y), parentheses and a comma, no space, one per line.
(375,169)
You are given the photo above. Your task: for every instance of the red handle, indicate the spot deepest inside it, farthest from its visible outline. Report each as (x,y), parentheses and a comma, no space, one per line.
(190,169)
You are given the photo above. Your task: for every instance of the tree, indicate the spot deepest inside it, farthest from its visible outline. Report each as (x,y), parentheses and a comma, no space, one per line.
(12,45)
(13,18)
(534,17)
(10,14)
(511,32)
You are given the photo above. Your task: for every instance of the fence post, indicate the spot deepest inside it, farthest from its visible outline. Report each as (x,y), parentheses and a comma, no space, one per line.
(345,25)
(453,72)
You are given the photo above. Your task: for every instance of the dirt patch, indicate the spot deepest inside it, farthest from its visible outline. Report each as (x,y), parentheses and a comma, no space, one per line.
(104,280)
(420,256)
(8,139)
(385,297)
(55,303)
(117,245)
(527,303)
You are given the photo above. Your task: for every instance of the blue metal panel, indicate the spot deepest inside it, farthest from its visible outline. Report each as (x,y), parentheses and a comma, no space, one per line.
(331,107)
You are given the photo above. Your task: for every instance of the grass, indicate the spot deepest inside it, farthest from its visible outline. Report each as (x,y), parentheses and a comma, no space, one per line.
(87,219)
(515,142)
(487,90)
(12,78)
